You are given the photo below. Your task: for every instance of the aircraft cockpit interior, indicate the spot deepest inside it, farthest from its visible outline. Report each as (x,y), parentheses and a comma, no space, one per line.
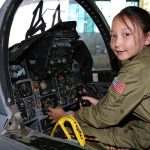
(52,64)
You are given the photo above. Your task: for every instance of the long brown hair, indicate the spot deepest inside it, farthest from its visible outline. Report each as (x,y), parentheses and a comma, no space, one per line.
(137,16)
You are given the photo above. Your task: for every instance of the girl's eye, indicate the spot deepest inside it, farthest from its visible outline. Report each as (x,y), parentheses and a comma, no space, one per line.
(112,36)
(126,34)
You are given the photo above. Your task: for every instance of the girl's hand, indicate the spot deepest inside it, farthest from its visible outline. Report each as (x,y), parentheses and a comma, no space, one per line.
(56,113)
(92,100)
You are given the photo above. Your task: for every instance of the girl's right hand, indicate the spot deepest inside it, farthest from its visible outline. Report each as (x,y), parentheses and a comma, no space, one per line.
(56,113)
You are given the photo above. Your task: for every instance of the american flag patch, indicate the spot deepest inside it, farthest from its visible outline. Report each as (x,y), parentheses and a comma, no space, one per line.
(118,86)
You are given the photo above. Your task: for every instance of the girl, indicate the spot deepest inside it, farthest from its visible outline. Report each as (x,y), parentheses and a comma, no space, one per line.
(122,117)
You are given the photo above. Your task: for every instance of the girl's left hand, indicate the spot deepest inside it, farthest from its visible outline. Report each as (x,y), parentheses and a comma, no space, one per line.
(92,100)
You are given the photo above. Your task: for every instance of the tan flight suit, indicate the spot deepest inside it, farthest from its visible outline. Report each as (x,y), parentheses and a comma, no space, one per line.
(131,97)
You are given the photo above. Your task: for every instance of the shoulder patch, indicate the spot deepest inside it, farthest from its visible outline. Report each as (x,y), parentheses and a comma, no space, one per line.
(118,86)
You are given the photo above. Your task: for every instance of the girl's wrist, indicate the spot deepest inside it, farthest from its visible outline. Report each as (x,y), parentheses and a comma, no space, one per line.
(70,114)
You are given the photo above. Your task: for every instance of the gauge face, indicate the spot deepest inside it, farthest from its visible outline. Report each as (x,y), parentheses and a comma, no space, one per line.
(25,89)
(30,102)
(48,101)
(61,80)
(31,113)
(62,102)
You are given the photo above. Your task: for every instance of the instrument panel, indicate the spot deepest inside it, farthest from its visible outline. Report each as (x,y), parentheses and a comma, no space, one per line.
(46,74)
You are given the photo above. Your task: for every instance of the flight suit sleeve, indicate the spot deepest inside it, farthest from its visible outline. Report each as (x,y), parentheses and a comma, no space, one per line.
(116,105)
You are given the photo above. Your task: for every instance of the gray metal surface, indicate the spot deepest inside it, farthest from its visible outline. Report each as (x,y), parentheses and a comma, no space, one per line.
(9,144)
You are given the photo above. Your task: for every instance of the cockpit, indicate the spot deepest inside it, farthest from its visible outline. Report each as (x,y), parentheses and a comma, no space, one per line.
(53,63)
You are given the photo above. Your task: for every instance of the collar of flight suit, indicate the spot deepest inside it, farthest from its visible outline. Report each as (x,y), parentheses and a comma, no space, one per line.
(146,51)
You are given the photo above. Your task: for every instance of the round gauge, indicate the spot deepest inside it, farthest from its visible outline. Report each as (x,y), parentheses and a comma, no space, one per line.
(63,91)
(25,89)
(62,102)
(49,103)
(31,113)
(30,102)
(46,103)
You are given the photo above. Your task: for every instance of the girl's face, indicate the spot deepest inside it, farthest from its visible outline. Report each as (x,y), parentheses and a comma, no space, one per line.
(126,41)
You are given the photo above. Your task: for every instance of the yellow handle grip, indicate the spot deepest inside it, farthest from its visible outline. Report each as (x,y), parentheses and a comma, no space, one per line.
(75,126)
